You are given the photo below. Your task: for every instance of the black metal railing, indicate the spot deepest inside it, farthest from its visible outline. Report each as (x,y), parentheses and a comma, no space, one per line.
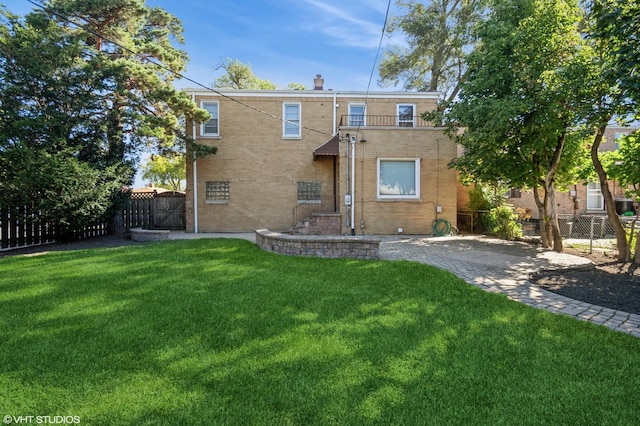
(383,121)
(306,208)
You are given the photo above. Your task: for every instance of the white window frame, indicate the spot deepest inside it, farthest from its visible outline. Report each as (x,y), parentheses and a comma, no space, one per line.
(403,123)
(594,190)
(286,121)
(353,121)
(416,196)
(217,118)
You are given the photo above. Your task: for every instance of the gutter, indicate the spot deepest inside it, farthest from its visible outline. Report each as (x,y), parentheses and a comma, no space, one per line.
(195,177)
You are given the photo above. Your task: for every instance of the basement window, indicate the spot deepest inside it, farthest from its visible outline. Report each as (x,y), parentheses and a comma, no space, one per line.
(217,192)
(309,192)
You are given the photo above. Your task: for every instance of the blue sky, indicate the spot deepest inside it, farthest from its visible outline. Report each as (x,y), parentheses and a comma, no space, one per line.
(284,41)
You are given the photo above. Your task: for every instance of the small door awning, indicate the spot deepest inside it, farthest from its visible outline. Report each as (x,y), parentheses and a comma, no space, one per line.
(329,148)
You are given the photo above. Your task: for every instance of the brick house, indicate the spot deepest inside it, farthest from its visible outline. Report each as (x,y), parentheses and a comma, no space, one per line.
(320,162)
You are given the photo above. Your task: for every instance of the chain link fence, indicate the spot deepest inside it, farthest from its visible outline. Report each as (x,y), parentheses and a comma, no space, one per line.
(591,230)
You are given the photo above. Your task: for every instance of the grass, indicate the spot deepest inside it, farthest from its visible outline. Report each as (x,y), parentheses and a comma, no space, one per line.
(218,332)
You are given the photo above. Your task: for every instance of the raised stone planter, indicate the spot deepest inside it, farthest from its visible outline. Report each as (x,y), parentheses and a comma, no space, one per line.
(319,245)
(144,235)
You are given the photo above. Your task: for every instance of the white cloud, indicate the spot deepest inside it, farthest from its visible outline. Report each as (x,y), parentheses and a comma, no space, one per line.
(342,23)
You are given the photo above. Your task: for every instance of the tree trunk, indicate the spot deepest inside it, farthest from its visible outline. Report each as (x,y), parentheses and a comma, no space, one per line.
(552,211)
(542,214)
(551,192)
(621,236)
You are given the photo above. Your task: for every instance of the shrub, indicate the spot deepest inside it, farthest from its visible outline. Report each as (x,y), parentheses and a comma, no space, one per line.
(503,222)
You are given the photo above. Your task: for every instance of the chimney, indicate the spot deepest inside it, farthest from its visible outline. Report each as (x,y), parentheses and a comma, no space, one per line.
(318,82)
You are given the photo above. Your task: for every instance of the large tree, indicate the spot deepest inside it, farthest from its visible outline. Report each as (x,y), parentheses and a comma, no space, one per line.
(238,75)
(166,171)
(84,86)
(438,37)
(614,87)
(131,45)
(518,104)
(47,114)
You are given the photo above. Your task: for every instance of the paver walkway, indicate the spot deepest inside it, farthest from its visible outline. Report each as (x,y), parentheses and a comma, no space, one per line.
(494,265)
(503,267)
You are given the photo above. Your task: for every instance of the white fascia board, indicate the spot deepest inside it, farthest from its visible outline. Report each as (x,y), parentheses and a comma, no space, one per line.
(313,94)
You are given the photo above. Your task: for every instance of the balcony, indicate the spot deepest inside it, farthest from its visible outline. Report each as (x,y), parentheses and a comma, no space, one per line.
(383,121)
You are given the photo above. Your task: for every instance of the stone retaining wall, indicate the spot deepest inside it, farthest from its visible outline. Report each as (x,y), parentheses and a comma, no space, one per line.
(320,224)
(319,246)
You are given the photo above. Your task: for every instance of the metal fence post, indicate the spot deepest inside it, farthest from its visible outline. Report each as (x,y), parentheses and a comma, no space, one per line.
(591,236)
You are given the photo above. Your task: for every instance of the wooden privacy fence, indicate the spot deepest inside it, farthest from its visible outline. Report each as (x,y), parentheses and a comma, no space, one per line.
(152,210)
(24,227)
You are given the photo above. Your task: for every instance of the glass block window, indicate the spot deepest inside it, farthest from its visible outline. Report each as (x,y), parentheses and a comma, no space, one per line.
(217,191)
(309,191)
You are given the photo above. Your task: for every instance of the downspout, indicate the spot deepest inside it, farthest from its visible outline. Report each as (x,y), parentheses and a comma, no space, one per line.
(335,160)
(335,112)
(353,185)
(195,176)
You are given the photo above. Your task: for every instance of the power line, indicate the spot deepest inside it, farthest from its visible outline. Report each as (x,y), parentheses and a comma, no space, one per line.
(375,62)
(175,73)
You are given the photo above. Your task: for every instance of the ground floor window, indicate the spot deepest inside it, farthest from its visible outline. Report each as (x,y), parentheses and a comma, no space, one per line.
(595,201)
(217,192)
(398,178)
(309,192)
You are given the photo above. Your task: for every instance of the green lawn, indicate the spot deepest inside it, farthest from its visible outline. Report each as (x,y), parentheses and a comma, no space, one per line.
(219,332)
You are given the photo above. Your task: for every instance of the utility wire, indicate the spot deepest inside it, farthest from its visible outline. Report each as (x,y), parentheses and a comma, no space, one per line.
(375,62)
(176,73)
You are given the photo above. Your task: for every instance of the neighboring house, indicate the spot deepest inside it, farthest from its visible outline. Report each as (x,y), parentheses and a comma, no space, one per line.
(286,158)
(582,198)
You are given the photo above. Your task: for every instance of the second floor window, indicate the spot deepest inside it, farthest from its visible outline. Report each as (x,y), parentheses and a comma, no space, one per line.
(291,124)
(356,115)
(405,115)
(211,127)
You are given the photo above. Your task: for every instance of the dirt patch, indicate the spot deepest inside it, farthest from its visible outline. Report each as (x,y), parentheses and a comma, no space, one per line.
(609,283)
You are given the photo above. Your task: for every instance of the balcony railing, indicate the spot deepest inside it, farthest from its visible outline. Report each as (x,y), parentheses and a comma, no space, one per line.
(383,121)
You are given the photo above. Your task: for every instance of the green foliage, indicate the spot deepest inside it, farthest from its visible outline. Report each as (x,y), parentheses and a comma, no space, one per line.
(68,193)
(503,221)
(438,36)
(79,102)
(623,164)
(94,334)
(618,22)
(166,171)
(240,76)
(477,198)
